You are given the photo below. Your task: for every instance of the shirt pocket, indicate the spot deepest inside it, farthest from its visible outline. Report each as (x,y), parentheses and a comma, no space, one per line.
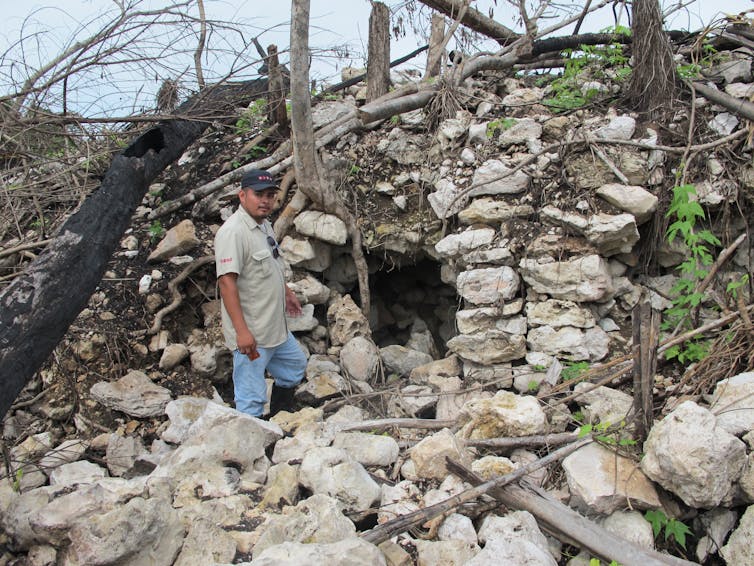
(261,264)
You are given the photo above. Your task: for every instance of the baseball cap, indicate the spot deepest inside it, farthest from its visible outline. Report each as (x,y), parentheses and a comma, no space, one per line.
(258,180)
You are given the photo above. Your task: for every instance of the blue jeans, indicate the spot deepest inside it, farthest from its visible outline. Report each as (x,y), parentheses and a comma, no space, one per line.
(286,364)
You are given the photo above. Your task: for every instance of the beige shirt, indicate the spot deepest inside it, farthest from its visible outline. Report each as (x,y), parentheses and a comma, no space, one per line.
(241,247)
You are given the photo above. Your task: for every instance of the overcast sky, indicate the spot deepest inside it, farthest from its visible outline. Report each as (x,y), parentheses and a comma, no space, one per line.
(334,22)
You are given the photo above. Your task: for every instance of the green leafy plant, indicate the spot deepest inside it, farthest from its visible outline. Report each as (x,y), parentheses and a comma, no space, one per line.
(532,386)
(607,434)
(671,527)
(500,125)
(256,113)
(685,296)
(17,477)
(353,170)
(156,230)
(600,61)
(257,151)
(733,287)
(573,370)
(597,562)
(693,69)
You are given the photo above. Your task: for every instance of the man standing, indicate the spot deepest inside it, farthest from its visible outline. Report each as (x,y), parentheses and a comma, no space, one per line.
(255,300)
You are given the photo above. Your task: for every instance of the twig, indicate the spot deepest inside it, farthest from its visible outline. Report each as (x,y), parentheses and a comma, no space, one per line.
(617,172)
(26,246)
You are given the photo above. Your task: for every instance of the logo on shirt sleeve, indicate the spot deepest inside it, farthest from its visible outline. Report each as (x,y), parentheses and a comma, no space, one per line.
(226,260)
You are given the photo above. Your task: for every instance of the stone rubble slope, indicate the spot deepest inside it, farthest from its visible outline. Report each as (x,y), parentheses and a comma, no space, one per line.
(535,275)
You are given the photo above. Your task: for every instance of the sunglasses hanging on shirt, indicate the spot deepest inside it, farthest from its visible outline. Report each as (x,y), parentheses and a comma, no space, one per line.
(274,245)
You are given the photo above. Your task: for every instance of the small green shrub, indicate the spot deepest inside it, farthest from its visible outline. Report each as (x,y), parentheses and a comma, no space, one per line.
(156,231)
(499,125)
(573,370)
(672,527)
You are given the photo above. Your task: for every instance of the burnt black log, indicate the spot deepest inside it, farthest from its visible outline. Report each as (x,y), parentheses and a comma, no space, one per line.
(37,308)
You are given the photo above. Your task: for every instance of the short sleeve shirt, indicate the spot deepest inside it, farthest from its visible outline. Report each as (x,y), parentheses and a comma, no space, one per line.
(241,247)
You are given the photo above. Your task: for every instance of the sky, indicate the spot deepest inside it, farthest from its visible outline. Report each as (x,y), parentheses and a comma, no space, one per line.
(334,23)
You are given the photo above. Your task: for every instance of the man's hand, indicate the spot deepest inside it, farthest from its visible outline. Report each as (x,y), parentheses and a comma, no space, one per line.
(247,344)
(292,305)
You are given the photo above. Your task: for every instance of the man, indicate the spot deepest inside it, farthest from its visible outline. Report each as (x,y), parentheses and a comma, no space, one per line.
(255,300)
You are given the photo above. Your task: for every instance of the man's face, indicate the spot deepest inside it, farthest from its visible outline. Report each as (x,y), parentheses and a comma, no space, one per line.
(259,204)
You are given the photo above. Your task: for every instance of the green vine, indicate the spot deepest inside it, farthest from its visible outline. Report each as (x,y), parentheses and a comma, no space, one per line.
(693,270)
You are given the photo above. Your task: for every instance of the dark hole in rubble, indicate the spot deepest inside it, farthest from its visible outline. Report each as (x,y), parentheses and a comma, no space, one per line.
(410,300)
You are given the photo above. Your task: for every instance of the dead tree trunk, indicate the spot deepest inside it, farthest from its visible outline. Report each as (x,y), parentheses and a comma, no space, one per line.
(646,332)
(436,45)
(308,177)
(37,308)
(278,113)
(652,88)
(378,63)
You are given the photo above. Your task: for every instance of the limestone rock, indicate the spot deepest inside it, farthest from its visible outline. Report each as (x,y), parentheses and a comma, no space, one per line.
(318,519)
(464,242)
(487,210)
(333,472)
(401,360)
(488,348)
(493,177)
(133,394)
(353,551)
(505,414)
(360,358)
(733,403)
(346,321)
(206,543)
(555,313)
(450,552)
(322,226)
(630,198)
(580,279)
(368,449)
(430,453)
(143,531)
(602,481)
(739,549)
(180,239)
(689,454)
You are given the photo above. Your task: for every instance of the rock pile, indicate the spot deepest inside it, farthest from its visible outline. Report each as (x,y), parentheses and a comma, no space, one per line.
(552,214)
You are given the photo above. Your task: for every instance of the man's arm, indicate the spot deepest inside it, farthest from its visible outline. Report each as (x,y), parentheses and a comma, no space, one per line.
(245,340)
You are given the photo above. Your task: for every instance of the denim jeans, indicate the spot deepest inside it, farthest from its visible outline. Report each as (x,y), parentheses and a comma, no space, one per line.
(285,363)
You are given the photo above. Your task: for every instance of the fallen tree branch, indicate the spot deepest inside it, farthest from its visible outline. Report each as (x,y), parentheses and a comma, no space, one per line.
(561,520)
(520,441)
(392,528)
(379,424)
(739,106)
(473,19)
